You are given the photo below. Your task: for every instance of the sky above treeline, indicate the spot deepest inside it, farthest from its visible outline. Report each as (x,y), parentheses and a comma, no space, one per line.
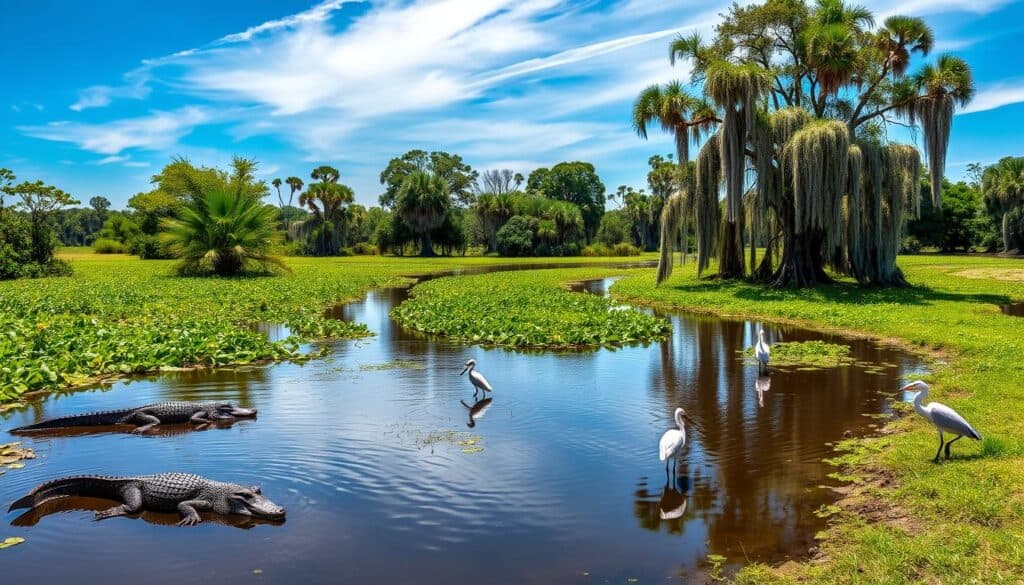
(99,95)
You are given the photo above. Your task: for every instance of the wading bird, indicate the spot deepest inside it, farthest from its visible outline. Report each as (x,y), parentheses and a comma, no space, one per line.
(476,378)
(763,353)
(673,440)
(943,417)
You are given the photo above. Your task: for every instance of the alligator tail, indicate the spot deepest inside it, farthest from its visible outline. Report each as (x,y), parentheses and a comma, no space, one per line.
(85,486)
(110,417)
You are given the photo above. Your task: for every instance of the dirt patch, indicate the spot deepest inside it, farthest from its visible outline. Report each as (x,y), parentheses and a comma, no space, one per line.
(865,500)
(1006,274)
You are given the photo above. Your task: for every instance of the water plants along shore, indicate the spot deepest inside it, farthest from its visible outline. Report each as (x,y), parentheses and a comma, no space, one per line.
(525,309)
(907,520)
(119,315)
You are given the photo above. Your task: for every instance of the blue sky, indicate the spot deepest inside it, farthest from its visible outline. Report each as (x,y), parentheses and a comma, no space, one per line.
(99,95)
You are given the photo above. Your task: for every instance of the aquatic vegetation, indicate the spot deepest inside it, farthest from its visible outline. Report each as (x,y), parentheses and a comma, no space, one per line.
(11,541)
(525,309)
(394,365)
(807,354)
(12,453)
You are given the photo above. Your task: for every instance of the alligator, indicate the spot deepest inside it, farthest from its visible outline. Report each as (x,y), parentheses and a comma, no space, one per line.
(147,417)
(165,492)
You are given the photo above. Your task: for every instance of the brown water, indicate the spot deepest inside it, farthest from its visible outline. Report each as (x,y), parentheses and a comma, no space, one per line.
(362,449)
(1013,309)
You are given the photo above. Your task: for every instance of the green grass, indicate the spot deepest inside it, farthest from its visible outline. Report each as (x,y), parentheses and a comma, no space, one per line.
(962,520)
(814,354)
(525,309)
(119,315)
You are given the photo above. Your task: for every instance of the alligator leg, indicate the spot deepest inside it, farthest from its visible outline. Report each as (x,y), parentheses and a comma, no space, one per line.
(147,421)
(200,418)
(189,511)
(132,504)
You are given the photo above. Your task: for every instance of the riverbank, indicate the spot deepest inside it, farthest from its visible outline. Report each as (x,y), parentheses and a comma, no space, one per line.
(118,315)
(908,520)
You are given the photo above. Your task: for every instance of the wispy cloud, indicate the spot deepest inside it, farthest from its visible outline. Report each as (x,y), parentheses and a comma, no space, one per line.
(100,96)
(995,96)
(157,131)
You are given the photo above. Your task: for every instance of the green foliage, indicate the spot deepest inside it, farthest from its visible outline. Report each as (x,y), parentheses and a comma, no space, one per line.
(956,228)
(574,182)
(153,207)
(365,249)
(15,245)
(148,247)
(108,246)
(459,176)
(515,238)
(119,228)
(615,228)
(330,204)
(599,250)
(423,201)
(223,234)
(817,354)
(524,309)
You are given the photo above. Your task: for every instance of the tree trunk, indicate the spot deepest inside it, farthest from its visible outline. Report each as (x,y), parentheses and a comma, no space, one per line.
(730,252)
(426,247)
(1006,232)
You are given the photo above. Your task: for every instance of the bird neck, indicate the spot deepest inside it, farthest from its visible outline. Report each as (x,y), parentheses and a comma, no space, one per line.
(919,403)
(680,422)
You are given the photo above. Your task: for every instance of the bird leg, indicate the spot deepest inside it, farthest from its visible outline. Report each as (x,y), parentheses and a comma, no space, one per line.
(958,437)
(942,441)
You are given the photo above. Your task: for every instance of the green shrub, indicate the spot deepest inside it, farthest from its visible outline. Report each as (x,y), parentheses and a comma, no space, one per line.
(515,238)
(911,245)
(108,246)
(149,247)
(594,250)
(365,249)
(625,249)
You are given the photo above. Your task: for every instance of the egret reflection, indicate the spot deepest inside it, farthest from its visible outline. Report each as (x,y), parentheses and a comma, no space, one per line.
(476,410)
(762,384)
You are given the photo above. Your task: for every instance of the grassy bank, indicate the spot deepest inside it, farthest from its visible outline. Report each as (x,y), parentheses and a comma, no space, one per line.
(525,309)
(908,520)
(119,315)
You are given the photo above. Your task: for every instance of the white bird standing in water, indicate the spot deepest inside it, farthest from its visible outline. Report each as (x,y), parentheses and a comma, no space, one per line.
(476,378)
(943,417)
(673,440)
(763,352)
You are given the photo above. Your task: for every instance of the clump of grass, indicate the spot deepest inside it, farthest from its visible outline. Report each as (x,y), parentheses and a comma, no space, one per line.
(394,365)
(525,309)
(807,354)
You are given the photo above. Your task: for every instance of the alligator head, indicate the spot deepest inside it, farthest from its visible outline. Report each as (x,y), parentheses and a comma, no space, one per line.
(249,501)
(228,410)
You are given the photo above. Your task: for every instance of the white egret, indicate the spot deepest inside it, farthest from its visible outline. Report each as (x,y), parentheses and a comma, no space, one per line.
(763,352)
(943,417)
(476,378)
(672,505)
(673,440)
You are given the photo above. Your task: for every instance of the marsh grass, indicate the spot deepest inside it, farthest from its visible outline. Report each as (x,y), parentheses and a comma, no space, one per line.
(805,355)
(968,514)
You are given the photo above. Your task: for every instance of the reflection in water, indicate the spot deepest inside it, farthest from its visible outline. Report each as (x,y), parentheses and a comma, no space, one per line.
(171,430)
(554,486)
(477,410)
(762,385)
(80,504)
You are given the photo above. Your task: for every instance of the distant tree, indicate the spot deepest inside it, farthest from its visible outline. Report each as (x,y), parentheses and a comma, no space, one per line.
(499,181)
(1002,186)
(516,237)
(423,202)
(7,179)
(295,185)
(615,228)
(120,228)
(575,182)
(518,180)
(459,176)
(955,227)
(40,201)
(100,205)
(152,207)
(328,201)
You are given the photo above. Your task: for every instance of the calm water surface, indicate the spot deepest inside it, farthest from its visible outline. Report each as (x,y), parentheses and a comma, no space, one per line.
(363,449)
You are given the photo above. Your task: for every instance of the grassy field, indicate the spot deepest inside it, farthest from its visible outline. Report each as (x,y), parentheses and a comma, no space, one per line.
(526,309)
(120,315)
(908,520)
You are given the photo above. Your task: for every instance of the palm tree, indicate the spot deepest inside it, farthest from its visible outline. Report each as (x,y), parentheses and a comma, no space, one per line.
(899,37)
(423,201)
(295,184)
(328,202)
(677,111)
(326,174)
(1002,186)
(224,233)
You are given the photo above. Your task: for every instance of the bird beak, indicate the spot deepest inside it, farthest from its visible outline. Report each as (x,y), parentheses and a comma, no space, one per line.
(909,387)
(464,370)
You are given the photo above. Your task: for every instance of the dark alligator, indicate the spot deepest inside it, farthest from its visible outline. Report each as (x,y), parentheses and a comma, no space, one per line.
(147,417)
(165,492)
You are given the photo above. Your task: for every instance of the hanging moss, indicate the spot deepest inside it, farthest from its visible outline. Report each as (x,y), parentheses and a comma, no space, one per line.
(707,214)
(935,114)
(815,161)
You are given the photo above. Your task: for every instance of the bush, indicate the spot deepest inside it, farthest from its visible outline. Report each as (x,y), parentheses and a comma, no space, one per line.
(595,250)
(293,248)
(365,249)
(515,238)
(625,249)
(108,246)
(149,247)
(16,251)
(911,245)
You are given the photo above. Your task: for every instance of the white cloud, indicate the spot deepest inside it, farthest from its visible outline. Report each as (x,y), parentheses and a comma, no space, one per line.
(112,159)
(100,96)
(995,96)
(156,131)
(136,164)
(318,13)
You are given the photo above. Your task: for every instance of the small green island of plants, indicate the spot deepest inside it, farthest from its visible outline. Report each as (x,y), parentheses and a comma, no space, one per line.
(525,309)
